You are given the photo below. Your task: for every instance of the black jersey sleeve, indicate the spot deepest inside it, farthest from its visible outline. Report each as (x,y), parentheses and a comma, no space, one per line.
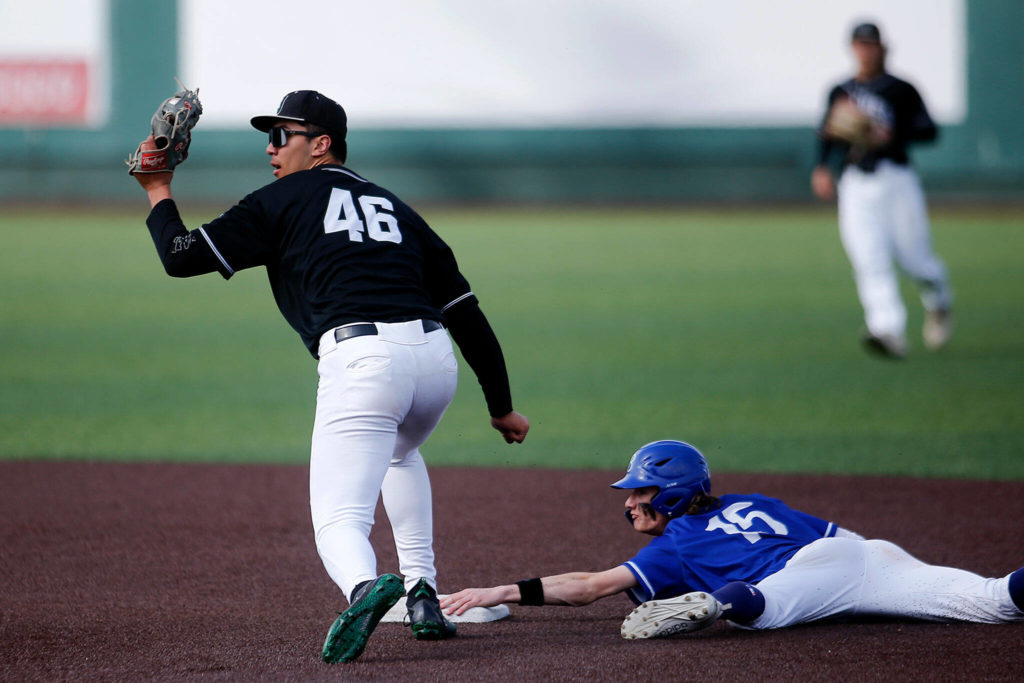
(912,123)
(245,235)
(236,240)
(442,279)
(182,252)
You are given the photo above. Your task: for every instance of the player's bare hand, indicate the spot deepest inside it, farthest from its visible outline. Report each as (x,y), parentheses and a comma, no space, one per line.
(823,184)
(513,426)
(157,185)
(457,603)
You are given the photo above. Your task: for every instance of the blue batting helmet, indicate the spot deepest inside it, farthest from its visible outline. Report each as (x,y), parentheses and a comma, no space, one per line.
(675,467)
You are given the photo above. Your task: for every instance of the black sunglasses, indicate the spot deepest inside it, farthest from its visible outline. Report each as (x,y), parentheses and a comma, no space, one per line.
(279,136)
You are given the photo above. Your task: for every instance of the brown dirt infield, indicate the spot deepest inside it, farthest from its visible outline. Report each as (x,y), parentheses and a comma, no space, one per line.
(181,572)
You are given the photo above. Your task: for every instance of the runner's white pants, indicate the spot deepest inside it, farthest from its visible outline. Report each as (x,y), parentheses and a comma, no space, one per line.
(378,400)
(883,222)
(843,577)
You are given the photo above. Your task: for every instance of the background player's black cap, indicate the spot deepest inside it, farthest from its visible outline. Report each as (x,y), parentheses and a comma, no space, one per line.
(866,33)
(309,107)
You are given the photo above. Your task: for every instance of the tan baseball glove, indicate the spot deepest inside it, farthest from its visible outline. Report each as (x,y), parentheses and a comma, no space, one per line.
(171,125)
(849,123)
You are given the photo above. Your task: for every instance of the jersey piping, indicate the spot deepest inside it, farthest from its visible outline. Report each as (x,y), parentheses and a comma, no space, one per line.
(346,172)
(231,271)
(643,580)
(455,301)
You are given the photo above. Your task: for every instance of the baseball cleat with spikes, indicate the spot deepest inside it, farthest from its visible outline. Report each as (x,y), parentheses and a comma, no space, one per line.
(348,635)
(424,614)
(684,614)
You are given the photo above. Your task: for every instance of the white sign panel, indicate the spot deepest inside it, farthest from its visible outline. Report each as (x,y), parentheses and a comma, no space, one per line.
(54,63)
(539,63)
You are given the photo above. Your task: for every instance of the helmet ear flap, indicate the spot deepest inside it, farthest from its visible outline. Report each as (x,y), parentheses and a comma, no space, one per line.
(674,504)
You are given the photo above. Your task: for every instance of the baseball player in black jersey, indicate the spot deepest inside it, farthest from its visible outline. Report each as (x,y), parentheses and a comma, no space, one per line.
(882,212)
(370,289)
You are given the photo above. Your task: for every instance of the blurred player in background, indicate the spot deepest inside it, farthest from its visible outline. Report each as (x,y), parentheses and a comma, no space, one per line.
(882,214)
(754,561)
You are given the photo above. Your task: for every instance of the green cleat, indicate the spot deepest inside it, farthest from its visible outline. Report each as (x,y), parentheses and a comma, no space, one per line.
(348,635)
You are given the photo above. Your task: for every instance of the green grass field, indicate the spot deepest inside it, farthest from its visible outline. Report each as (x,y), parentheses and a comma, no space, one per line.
(736,330)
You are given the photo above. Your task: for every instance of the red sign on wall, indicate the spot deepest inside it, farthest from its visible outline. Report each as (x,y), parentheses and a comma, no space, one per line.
(44,92)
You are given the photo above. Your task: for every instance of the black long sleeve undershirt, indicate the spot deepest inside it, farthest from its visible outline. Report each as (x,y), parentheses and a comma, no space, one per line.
(183,253)
(479,345)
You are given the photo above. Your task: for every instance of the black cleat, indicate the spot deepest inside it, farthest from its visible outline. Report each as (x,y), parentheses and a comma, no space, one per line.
(885,345)
(425,616)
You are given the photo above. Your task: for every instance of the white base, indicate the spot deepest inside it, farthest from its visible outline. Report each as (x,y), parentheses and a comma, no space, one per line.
(474,615)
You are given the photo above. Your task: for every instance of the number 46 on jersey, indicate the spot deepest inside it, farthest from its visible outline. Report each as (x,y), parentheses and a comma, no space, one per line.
(372,217)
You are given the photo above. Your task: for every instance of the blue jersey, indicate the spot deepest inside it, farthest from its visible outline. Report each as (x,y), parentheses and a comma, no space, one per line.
(746,539)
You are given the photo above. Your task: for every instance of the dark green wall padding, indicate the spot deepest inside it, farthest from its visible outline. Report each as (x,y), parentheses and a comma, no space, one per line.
(979,160)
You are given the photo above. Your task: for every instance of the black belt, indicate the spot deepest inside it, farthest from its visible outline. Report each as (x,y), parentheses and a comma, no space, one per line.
(364,329)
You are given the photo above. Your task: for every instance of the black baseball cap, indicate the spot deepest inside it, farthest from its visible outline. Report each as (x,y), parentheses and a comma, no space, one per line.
(308,107)
(866,33)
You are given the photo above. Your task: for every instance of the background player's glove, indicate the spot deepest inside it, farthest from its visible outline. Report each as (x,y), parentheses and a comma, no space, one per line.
(847,122)
(172,125)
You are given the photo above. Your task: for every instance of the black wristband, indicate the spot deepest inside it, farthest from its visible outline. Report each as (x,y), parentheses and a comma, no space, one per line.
(531,592)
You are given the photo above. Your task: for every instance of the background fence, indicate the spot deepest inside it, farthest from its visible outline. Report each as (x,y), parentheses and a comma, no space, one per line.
(981,158)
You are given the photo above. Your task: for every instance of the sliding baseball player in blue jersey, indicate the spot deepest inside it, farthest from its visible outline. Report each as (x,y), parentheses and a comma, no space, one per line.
(753,561)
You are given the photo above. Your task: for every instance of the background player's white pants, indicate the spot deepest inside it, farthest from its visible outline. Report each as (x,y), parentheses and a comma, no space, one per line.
(834,577)
(378,400)
(883,220)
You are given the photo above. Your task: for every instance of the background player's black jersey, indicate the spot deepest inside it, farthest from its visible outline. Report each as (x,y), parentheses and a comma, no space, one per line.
(897,105)
(337,248)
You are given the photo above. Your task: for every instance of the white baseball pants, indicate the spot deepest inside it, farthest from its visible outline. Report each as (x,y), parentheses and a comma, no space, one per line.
(883,220)
(378,400)
(835,577)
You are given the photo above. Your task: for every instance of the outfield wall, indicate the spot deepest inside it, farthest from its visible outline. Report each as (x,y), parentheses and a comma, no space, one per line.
(980,158)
